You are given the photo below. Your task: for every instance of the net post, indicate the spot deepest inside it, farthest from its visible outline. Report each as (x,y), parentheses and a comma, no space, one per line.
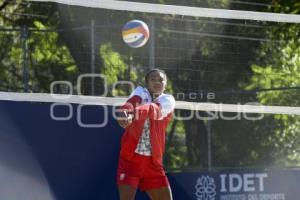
(209,160)
(152,44)
(92,56)
(24,36)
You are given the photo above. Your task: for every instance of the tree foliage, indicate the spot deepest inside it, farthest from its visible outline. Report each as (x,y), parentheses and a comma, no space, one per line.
(196,56)
(29,43)
(278,68)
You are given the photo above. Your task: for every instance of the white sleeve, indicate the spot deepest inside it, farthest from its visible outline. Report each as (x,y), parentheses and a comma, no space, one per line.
(167,104)
(137,92)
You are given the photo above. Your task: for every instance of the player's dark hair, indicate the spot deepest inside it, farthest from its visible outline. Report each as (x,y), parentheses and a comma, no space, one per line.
(154,70)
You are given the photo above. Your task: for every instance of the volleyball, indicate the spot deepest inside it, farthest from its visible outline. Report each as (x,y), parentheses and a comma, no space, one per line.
(135,33)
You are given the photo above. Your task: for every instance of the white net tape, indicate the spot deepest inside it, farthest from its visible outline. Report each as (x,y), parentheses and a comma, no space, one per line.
(181,10)
(113,101)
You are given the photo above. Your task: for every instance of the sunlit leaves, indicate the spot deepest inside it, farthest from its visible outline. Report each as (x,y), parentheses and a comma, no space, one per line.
(279,69)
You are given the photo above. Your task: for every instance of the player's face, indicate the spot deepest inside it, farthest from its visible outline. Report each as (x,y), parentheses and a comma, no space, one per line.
(156,83)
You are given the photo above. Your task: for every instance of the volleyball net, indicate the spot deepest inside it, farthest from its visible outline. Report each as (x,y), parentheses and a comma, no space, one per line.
(117,101)
(232,66)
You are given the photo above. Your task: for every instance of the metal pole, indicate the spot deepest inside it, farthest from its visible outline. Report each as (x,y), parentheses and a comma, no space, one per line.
(152,44)
(92,56)
(24,36)
(209,160)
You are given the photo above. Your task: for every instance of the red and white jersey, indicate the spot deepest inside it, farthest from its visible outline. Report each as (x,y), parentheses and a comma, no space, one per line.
(158,112)
(144,145)
(166,101)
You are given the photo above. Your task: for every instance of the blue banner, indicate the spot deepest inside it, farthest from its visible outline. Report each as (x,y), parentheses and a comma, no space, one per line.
(70,152)
(237,185)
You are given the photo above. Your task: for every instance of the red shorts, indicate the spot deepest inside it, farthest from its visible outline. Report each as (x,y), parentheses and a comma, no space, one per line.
(141,172)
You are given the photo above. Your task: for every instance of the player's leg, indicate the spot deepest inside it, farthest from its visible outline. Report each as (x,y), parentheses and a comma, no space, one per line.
(155,181)
(127,192)
(128,177)
(163,193)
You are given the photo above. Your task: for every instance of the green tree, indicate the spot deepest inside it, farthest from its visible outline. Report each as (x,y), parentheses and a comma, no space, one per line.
(37,50)
(115,69)
(196,56)
(278,66)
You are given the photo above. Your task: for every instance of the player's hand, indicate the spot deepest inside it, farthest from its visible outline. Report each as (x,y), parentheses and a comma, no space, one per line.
(124,119)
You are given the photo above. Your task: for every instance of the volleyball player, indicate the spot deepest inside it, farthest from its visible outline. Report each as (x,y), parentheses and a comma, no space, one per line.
(145,117)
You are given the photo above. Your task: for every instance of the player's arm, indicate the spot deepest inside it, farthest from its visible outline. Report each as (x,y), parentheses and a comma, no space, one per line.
(156,110)
(125,113)
(166,105)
